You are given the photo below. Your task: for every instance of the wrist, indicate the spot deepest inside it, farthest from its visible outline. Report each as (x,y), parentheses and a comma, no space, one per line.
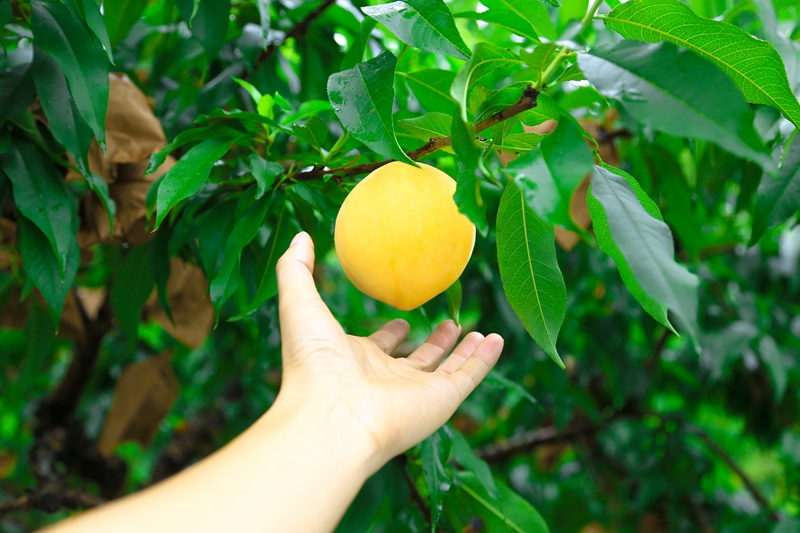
(310,421)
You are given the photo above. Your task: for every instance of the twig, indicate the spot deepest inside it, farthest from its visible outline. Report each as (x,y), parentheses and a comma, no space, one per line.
(728,460)
(530,440)
(652,363)
(526,101)
(299,29)
(52,501)
(700,515)
(418,499)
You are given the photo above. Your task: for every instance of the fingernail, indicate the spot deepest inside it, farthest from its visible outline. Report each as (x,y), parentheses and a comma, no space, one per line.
(296,238)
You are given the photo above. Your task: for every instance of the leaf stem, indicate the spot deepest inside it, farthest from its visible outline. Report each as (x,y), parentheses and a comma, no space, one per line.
(587,18)
(565,51)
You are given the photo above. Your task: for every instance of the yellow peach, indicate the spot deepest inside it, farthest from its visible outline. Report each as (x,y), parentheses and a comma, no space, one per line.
(399,236)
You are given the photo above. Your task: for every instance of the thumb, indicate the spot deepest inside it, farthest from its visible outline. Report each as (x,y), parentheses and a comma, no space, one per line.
(304,317)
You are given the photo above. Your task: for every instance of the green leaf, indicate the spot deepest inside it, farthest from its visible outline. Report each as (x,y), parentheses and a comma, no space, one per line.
(540,57)
(314,132)
(606,243)
(499,380)
(214,131)
(250,214)
(505,514)
(362,98)
(6,14)
(16,82)
(549,177)
(754,65)
(41,195)
(433,124)
(41,339)
(254,93)
(132,286)
(424,24)
(462,453)
(282,234)
(469,201)
(571,73)
(522,17)
(432,89)
(521,142)
(776,365)
(209,22)
(660,85)
(264,173)
(188,175)
(62,114)
(213,228)
(532,280)
(81,58)
(355,54)
(265,106)
(311,107)
(453,294)
(99,186)
(468,186)
(487,58)
(120,16)
(778,198)
(43,269)
(94,19)
(572,10)
(646,243)
(434,452)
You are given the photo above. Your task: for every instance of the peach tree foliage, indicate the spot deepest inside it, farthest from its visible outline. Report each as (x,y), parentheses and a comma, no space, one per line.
(632,168)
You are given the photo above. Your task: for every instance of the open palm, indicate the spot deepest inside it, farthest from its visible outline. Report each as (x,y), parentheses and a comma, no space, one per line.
(397,401)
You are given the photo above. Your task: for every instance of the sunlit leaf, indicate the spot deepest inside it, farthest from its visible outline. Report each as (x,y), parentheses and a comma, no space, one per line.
(428,126)
(529,19)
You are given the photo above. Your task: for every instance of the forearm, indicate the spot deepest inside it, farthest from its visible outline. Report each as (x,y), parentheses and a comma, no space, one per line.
(295,470)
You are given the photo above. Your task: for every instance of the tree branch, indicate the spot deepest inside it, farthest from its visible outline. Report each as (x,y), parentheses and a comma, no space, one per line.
(51,501)
(299,29)
(55,408)
(728,460)
(417,498)
(526,101)
(530,440)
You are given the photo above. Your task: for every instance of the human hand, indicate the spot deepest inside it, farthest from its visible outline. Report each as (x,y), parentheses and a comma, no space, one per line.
(390,403)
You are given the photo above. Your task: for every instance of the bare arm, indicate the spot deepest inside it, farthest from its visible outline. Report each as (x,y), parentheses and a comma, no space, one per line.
(345,408)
